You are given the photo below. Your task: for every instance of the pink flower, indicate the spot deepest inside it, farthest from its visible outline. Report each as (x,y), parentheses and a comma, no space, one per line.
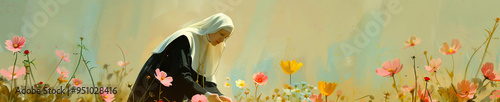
(495,94)
(455,45)
(63,55)
(121,63)
(16,44)
(108,97)
(162,77)
(316,98)
(77,82)
(17,73)
(412,42)
(260,78)
(389,68)
(424,95)
(63,71)
(199,98)
(466,90)
(434,65)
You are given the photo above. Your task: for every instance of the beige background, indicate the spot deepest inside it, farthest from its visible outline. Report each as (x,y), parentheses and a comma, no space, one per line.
(266,32)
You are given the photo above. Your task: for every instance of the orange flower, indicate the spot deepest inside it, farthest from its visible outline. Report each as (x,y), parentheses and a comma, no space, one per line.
(326,89)
(290,67)
(466,90)
(61,79)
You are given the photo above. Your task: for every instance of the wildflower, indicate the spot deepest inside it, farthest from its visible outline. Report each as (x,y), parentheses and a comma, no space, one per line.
(290,67)
(15,44)
(62,55)
(326,88)
(489,72)
(240,83)
(77,82)
(62,71)
(389,69)
(412,42)
(108,97)
(434,65)
(121,63)
(260,78)
(447,50)
(162,77)
(17,73)
(466,90)
(199,98)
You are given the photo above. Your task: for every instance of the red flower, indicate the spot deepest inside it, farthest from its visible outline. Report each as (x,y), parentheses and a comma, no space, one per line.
(40,83)
(26,52)
(427,78)
(260,78)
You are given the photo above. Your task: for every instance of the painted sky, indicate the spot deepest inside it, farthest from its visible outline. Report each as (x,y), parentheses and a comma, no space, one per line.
(313,32)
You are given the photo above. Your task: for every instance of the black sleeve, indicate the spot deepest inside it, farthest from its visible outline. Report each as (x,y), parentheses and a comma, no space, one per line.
(212,88)
(178,52)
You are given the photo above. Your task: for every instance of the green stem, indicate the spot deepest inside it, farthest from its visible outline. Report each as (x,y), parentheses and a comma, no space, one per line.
(395,86)
(467,67)
(326,98)
(427,93)
(256,87)
(31,72)
(486,49)
(147,91)
(485,85)
(12,78)
(78,64)
(54,70)
(91,78)
(414,72)
(125,67)
(435,76)
(453,68)
(159,93)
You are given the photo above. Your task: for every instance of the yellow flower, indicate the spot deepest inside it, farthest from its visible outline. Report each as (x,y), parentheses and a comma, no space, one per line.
(326,88)
(227,84)
(240,83)
(290,67)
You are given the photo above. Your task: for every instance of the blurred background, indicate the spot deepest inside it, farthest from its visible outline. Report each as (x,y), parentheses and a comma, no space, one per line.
(340,41)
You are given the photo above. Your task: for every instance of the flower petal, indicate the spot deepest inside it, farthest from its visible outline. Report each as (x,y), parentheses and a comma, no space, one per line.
(395,63)
(444,49)
(387,65)
(6,74)
(428,68)
(382,72)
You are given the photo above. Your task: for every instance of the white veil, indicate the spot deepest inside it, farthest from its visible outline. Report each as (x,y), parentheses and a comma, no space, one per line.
(209,25)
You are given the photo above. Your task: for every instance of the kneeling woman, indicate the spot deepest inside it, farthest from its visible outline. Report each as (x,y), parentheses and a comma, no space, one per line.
(190,56)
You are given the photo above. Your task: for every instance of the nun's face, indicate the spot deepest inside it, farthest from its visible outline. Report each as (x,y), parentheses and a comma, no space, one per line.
(219,37)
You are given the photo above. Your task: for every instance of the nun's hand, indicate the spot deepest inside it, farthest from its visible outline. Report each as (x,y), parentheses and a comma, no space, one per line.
(213,98)
(225,99)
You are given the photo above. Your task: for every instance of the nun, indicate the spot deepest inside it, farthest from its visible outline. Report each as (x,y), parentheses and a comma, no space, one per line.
(189,57)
